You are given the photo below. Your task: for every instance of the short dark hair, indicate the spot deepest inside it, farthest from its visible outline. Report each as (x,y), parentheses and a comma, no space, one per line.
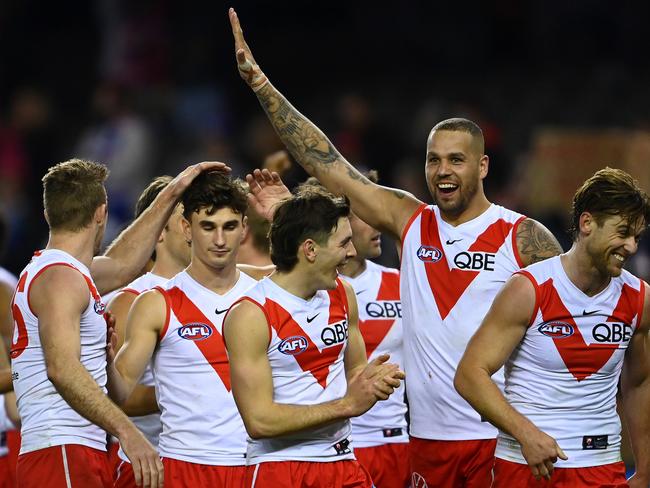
(306,215)
(72,191)
(460,124)
(150,193)
(607,193)
(213,191)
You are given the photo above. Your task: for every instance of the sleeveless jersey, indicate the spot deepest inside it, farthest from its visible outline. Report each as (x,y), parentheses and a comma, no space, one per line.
(308,339)
(47,420)
(380,322)
(449,277)
(563,376)
(10,281)
(201,423)
(149,425)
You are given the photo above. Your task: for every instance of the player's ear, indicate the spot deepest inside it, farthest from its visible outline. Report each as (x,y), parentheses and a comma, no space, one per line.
(483,166)
(187,229)
(245,234)
(101,213)
(309,249)
(586,223)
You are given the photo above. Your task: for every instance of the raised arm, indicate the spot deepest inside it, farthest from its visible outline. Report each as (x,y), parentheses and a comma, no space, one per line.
(246,334)
(485,355)
(128,254)
(635,387)
(58,319)
(386,209)
(535,242)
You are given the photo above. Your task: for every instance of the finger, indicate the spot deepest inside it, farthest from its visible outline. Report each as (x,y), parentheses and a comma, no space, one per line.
(155,478)
(392,381)
(383,388)
(560,454)
(253,185)
(534,469)
(549,467)
(135,465)
(543,472)
(161,472)
(275,177)
(268,179)
(146,475)
(382,358)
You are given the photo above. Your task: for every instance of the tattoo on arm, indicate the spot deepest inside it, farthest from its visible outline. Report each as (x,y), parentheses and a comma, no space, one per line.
(305,141)
(535,242)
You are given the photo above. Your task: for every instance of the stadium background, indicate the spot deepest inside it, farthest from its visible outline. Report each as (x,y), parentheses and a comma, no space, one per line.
(559,88)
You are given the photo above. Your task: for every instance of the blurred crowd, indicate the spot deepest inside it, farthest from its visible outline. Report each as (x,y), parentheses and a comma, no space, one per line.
(148,86)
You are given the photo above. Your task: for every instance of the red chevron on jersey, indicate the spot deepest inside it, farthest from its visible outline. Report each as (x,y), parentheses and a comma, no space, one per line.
(448,285)
(581,360)
(212,348)
(627,305)
(374,331)
(316,362)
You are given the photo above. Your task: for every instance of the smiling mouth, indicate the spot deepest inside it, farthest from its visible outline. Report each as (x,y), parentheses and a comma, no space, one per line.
(446,188)
(620,258)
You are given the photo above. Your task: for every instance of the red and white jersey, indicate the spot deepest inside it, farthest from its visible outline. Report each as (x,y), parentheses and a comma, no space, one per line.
(201,423)
(563,375)
(10,281)
(380,323)
(449,278)
(149,425)
(47,420)
(306,350)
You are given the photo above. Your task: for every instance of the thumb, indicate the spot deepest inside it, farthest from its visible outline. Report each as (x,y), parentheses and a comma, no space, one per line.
(561,454)
(382,358)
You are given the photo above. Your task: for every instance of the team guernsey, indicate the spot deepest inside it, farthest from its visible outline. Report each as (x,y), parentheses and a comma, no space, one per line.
(47,420)
(200,421)
(380,323)
(149,425)
(564,374)
(307,344)
(449,277)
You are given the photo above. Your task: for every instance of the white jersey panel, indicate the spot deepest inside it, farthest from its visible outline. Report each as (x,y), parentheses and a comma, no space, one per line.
(564,374)
(308,341)
(380,323)
(201,423)
(149,425)
(47,420)
(449,277)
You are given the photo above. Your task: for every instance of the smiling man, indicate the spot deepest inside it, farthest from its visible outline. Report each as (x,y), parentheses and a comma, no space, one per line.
(456,255)
(565,329)
(178,325)
(298,361)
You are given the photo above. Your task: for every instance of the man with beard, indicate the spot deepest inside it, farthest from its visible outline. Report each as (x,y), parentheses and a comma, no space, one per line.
(59,360)
(456,255)
(565,328)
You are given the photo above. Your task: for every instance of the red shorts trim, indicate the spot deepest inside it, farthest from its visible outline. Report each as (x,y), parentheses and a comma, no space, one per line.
(67,466)
(451,464)
(296,474)
(514,475)
(124,477)
(181,474)
(387,464)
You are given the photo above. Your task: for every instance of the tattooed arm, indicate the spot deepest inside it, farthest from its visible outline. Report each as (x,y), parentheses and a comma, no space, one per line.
(535,242)
(383,208)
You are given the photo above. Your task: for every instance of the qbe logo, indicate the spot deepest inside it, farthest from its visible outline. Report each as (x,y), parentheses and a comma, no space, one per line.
(294,345)
(556,330)
(335,333)
(195,331)
(429,254)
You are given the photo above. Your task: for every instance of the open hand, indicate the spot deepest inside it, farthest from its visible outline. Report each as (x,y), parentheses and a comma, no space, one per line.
(248,68)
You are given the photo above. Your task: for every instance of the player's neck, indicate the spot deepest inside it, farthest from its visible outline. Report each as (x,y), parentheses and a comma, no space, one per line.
(251,256)
(582,272)
(354,267)
(296,282)
(217,280)
(166,266)
(477,206)
(80,245)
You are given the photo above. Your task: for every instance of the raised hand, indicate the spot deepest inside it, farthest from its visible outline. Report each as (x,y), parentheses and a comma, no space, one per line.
(179,184)
(541,451)
(266,190)
(279,161)
(248,68)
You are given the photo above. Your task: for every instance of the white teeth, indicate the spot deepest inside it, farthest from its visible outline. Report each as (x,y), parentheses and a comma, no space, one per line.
(446,185)
(619,257)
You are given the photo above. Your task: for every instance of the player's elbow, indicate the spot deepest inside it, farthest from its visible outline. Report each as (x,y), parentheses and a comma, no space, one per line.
(258,428)
(462,380)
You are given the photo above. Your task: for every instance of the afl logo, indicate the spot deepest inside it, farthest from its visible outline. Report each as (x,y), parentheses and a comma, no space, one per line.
(429,254)
(195,331)
(100,308)
(292,346)
(556,330)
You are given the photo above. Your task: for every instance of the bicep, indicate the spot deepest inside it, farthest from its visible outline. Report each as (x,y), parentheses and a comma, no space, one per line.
(355,352)
(144,322)
(535,242)
(503,327)
(246,335)
(119,307)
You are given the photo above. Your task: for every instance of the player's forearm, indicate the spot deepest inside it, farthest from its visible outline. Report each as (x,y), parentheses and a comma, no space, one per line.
(118,388)
(83,394)
(476,386)
(6,383)
(282,419)
(133,247)
(142,401)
